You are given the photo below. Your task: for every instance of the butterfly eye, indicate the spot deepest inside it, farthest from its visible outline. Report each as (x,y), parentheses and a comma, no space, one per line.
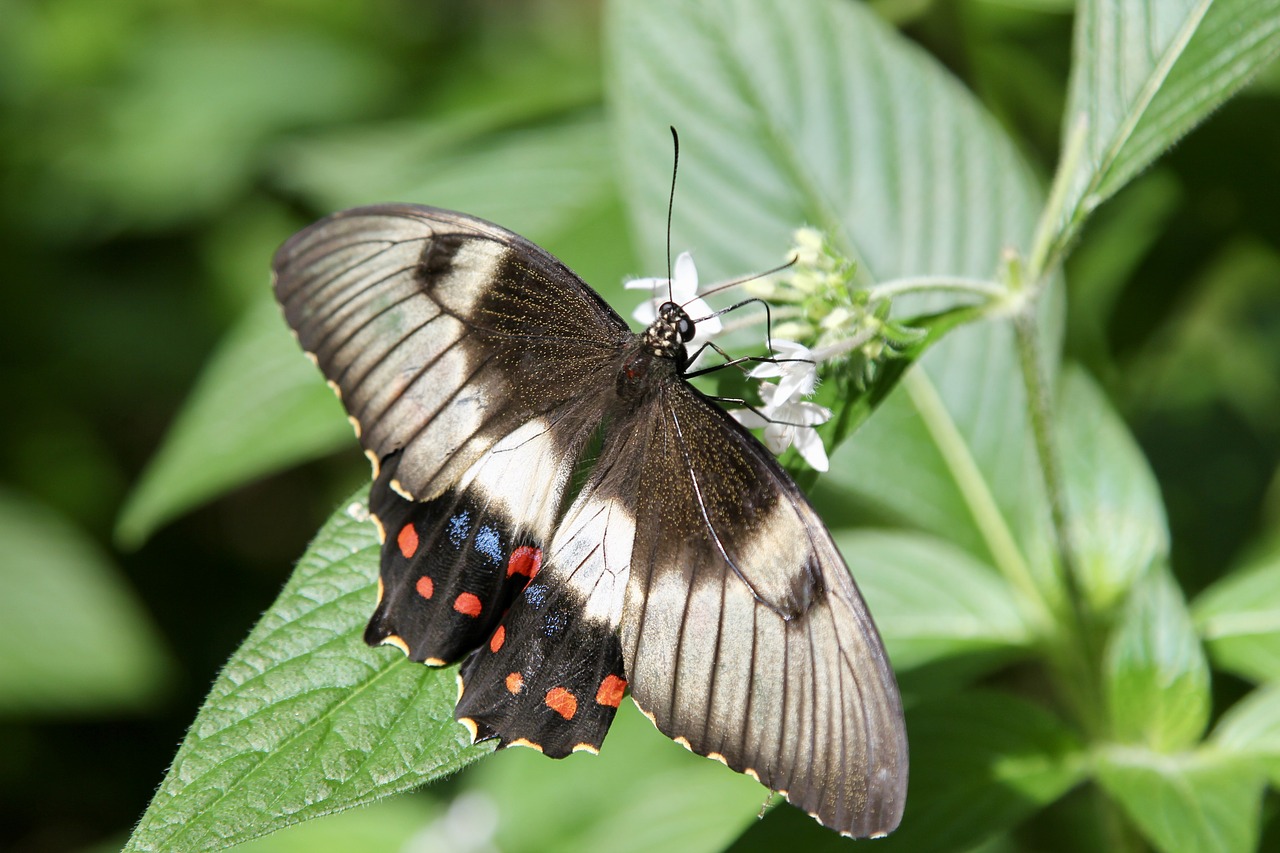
(686,329)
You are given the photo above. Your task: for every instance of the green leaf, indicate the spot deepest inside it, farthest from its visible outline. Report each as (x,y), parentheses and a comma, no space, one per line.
(812,113)
(1014,759)
(1118,522)
(981,762)
(1144,73)
(393,824)
(75,639)
(1195,802)
(222,89)
(258,407)
(933,602)
(1156,674)
(1251,728)
(639,774)
(305,719)
(537,180)
(1239,617)
(819,113)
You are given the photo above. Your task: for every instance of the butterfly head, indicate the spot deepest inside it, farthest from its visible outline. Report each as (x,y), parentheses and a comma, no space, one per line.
(669,332)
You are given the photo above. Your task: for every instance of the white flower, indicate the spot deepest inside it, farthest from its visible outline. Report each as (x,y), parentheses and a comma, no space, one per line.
(683,292)
(787,421)
(797,378)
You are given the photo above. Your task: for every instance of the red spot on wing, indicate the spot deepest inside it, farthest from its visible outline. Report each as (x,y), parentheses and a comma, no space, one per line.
(611,690)
(562,702)
(515,682)
(408,540)
(525,560)
(499,637)
(467,604)
(425,587)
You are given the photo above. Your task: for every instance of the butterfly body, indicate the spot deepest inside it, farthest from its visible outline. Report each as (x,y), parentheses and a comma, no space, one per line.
(685,567)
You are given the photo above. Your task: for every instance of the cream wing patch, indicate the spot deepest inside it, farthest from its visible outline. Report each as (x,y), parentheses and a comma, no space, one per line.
(524,476)
(592,553)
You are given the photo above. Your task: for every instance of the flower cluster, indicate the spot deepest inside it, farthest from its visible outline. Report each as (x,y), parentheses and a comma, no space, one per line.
(825,307)
(787,418)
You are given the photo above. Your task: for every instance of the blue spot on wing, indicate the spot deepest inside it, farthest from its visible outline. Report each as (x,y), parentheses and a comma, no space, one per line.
(489,543)
(555,624)
(535,594)
(459,527)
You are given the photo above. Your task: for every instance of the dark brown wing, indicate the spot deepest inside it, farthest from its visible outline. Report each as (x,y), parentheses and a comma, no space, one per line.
(743,634)
(443,334)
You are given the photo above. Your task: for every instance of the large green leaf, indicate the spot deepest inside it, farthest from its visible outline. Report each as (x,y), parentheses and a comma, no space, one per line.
(306,719)
(258,407)
(1239,617)
(1197,802)
(933,602)
(1156,674)
(1118,523)
(819,113)
(1144,73)
(74,637)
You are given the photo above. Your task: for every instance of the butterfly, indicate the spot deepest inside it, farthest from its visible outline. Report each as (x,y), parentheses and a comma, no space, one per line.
(683,565)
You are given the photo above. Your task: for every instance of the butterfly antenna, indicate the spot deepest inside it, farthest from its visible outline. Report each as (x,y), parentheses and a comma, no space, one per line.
(746,278)
(671,203)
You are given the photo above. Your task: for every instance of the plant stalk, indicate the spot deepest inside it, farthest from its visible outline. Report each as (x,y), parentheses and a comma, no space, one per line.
(1040,412)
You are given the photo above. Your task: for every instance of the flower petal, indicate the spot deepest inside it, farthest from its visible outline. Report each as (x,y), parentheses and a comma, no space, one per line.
(685,286)
(809,445)
(748,418)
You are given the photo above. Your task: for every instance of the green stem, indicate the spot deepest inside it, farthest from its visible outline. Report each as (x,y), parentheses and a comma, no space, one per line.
(988,290)
(973,487)
(1080,655)
(1053,234)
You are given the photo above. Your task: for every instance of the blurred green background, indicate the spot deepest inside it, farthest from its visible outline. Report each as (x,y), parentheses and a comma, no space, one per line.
(154,153)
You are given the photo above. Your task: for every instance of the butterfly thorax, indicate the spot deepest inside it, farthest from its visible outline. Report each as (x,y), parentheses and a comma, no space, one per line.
(657,355)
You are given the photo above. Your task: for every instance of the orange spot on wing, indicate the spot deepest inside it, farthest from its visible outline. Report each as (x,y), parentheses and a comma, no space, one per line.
(425,587)
(562,702)
(611,690)
(499,637)
(525,560)
(515,682)
(467,604)
(408,540)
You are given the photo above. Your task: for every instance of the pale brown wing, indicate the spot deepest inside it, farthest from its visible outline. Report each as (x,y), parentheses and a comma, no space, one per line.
(743,634)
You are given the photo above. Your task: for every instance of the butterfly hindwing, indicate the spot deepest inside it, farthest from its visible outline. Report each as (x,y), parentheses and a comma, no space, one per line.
(450,567)
(549,677)
(553,675)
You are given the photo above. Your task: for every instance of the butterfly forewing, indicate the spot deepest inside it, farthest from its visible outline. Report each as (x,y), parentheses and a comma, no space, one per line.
(476,368)
(444,334)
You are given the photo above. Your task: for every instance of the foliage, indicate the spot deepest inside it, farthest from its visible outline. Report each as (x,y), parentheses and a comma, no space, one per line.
(1059,514)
